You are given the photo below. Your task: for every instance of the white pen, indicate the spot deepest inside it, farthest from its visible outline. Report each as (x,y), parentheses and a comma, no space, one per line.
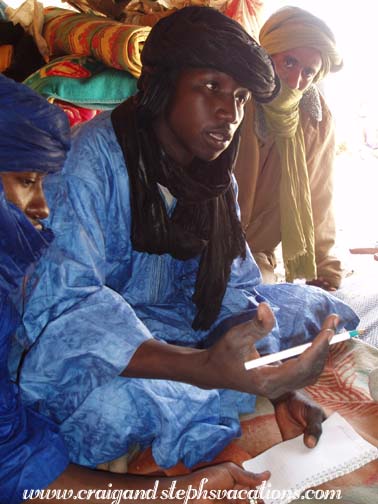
(291,352)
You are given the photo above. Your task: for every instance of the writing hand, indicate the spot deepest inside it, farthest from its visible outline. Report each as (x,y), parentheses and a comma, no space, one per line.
(297,414)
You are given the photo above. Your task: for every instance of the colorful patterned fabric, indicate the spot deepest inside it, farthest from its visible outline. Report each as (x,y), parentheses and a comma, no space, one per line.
(247,13)
(83,81)
(76,115)
(115,44)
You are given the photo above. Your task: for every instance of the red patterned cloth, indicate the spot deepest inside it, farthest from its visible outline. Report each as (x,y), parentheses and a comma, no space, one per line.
(247,13)
(76,115)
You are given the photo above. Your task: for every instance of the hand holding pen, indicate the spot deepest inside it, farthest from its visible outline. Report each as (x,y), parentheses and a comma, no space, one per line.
(297,350)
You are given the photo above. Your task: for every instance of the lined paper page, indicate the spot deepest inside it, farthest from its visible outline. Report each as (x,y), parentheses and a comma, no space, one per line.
(293,466)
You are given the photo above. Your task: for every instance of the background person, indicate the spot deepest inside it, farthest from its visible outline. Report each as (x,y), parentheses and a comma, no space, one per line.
(285,163)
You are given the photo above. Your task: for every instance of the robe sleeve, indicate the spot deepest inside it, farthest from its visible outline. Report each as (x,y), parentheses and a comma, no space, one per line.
(81,332)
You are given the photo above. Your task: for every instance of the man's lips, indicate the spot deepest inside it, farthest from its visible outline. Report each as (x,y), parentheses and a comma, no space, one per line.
(219,137)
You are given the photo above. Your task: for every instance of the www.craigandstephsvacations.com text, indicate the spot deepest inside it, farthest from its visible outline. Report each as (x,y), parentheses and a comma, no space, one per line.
(173,493)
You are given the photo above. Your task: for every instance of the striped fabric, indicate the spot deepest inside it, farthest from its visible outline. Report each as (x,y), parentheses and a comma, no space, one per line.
(115,44)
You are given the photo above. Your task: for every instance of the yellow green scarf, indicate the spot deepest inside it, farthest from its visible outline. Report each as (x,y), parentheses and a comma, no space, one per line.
(297,227)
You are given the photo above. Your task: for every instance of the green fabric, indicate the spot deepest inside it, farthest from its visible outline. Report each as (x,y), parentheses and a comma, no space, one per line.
(83,81)
(297,227)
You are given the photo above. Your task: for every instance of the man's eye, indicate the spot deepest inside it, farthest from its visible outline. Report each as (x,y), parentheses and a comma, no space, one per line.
(27,182)
(309,72)
(242,98)
(212,85)
(289,62)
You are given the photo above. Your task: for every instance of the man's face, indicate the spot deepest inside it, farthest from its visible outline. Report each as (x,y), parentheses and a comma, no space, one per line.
(24,189)
(202,116)
(298,67)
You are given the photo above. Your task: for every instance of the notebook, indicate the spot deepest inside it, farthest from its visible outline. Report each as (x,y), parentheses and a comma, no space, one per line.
(294,467)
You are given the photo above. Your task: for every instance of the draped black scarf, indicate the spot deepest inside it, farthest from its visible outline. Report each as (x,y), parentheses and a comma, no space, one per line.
(204,222)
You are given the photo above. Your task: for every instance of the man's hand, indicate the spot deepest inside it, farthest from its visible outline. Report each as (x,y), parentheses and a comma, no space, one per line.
(297,414)
(222,365)
(322,283)
(225,360)
(225,476)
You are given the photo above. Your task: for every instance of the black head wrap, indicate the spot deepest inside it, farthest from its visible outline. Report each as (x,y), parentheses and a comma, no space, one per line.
(204,222)
(201,37)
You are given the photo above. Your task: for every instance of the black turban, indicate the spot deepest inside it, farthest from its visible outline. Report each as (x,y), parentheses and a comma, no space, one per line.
(201,37)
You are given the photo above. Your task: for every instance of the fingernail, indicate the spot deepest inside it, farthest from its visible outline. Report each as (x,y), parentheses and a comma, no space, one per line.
(260,474)
(311,441)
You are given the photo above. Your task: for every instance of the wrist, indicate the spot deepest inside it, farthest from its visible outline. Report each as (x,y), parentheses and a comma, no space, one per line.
(158,360)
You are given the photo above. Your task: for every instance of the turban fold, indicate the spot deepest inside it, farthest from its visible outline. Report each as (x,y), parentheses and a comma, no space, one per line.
(34,135)
(292,27)
(201,37)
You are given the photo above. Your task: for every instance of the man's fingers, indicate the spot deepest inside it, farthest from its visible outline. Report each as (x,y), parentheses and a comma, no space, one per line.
(257,328)
(262,323)
(307,367)
(316,356)
(322,283)
(331,322)
(313,431)
(321,343)
(246,478)
(265,316)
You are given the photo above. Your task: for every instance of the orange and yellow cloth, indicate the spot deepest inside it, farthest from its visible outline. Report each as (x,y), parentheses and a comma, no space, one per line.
(117,45)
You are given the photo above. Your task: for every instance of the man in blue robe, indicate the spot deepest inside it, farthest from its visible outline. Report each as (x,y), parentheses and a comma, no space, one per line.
(143,312)
(32,452)
(34,140)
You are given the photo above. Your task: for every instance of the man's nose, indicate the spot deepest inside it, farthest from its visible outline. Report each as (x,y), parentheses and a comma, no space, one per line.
(294,79)
(37,208)
(228,109)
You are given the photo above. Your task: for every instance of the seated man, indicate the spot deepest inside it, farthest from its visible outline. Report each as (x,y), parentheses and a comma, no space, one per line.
(285,163)
(146,308)
(35,135)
